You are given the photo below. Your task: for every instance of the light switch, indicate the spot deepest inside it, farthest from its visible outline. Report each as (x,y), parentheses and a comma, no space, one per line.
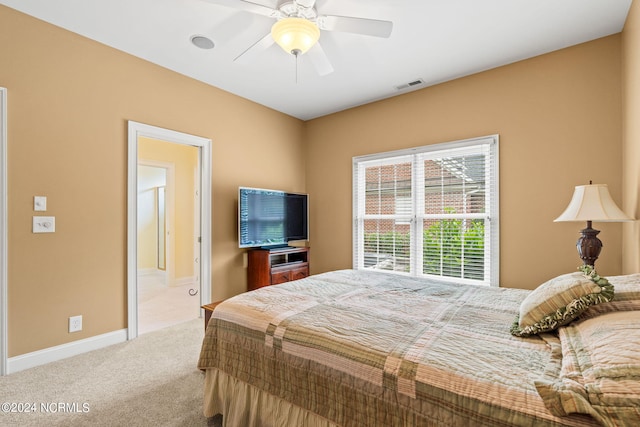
(39,203)
(44,224)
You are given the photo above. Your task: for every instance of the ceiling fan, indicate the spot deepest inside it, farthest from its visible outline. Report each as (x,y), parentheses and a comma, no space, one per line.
(297,28)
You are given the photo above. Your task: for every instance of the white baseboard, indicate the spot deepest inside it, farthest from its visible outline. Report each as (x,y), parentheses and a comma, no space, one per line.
(59,352)
(149,271)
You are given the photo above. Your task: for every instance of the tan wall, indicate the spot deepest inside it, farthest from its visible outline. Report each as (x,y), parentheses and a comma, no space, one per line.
(559,121)
(69,99)
(631,137)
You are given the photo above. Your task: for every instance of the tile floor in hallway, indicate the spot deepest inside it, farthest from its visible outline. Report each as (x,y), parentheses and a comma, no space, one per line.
(160,305)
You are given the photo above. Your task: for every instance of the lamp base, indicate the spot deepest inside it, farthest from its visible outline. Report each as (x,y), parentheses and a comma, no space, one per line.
(588,245)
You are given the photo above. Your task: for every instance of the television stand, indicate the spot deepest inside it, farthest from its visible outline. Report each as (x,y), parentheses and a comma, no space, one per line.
(277,248)
(272,266)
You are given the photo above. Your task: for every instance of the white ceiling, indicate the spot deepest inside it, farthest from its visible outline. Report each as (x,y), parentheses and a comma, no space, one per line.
(432,40)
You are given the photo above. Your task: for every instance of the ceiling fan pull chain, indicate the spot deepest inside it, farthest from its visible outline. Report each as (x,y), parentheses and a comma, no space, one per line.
(296,55)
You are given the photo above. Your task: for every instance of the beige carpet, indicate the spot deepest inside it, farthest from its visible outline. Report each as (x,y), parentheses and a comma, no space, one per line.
(149,381)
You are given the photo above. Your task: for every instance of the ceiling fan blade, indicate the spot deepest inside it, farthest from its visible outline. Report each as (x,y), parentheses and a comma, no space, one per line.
(247,6)
(320,60)
(347,24)
(262,44)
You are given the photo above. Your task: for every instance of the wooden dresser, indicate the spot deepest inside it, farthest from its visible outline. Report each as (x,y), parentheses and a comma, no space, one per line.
(272,266)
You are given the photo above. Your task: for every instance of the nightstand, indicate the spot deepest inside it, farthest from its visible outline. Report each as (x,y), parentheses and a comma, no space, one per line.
(208,309)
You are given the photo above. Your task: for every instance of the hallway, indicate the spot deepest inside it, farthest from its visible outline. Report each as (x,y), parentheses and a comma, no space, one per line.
(160,305)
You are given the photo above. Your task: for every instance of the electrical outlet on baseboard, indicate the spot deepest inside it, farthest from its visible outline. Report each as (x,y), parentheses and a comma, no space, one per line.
(75,323)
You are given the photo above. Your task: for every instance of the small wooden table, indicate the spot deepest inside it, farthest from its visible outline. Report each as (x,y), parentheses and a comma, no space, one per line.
(208,309)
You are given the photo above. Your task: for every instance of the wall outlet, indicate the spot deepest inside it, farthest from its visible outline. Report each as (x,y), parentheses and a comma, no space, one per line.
(75,323)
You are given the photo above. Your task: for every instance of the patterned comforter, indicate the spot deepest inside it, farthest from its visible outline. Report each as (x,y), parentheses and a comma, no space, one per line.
(365,348)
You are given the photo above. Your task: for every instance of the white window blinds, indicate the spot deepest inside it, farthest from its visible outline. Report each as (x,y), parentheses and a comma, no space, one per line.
(430,211)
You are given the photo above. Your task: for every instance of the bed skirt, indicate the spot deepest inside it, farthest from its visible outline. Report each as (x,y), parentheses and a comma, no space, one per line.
(242,404)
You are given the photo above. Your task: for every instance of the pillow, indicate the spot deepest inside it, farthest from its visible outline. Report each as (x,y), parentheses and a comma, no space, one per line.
(597,371)
(627,296)
(560,300)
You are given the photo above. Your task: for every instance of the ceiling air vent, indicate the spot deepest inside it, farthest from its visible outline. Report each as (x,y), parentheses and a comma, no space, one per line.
(414,83)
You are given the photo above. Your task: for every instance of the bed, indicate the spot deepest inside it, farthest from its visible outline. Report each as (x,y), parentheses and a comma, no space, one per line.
(367,348)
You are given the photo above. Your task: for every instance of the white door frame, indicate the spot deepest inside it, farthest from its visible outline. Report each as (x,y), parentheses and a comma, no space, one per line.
(204,144)
(3,233)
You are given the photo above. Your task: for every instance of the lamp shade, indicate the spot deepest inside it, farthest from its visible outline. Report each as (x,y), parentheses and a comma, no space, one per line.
(593,203)
(295,35)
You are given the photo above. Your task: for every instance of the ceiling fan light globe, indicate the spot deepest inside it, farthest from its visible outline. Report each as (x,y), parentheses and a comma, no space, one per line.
(295,34)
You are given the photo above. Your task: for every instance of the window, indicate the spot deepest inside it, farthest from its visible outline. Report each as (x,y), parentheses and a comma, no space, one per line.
(429,211)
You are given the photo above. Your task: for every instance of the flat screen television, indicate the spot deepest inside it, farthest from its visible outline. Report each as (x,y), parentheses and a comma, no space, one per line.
(271,218)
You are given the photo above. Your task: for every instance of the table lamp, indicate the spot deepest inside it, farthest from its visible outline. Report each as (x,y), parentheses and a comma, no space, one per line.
(591,203)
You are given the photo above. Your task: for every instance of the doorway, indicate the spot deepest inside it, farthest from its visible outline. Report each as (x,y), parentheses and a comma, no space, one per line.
(168,270)
(168,248)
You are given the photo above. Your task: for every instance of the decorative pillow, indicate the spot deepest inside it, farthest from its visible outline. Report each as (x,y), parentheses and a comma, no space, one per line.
(561,300)
(595,370)
(626,298)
